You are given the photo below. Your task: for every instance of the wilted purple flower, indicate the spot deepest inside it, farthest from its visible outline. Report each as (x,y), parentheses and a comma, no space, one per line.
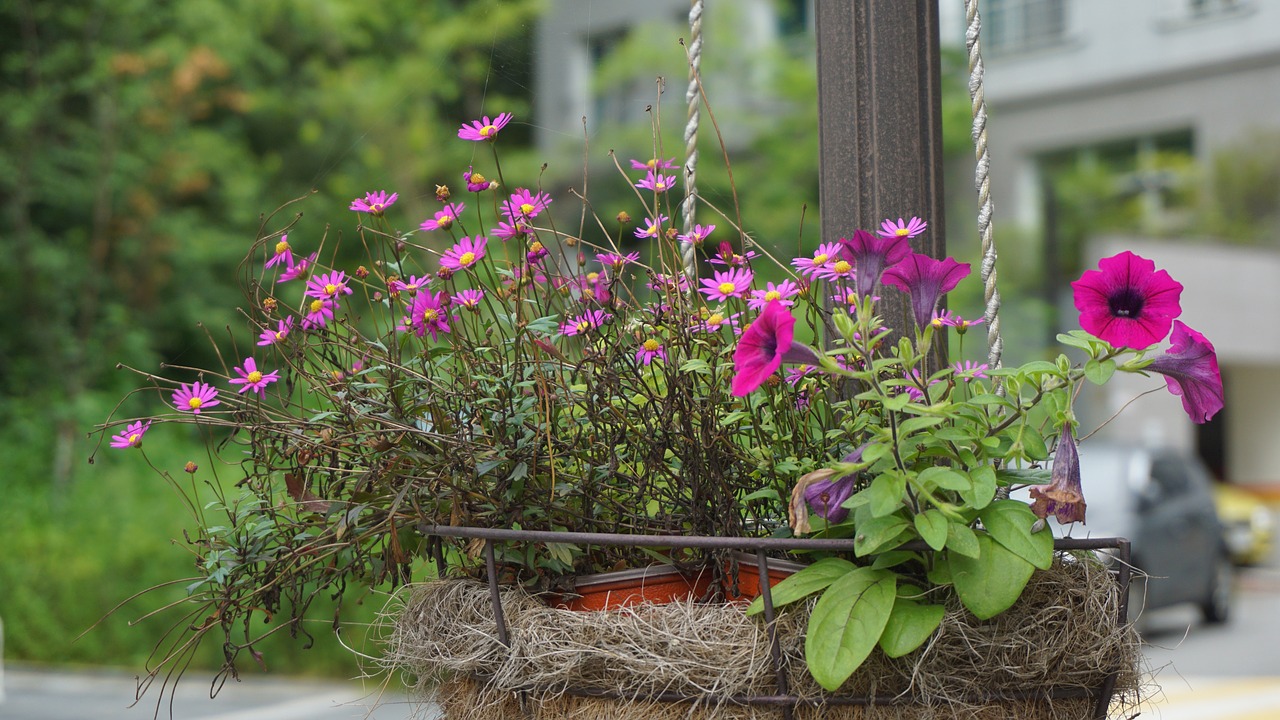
(1062,497)
(825,493)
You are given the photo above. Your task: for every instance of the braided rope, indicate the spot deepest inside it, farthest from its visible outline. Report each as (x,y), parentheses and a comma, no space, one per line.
(982,181)
(691,96)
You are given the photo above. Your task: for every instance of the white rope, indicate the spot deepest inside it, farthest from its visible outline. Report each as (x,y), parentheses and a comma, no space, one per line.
(691,96)
(982,181)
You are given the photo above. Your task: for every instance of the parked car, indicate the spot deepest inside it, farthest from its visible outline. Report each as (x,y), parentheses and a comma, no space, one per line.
(1162,501)
(1248,523)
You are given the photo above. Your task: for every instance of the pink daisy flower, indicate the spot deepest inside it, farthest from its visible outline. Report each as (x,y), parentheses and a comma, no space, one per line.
(464,254)
(652,228)
(726,256)
(131,437)
(195,397)
(469,299)
(715,322)
(318,313)
(696,236)
(295,271)
(909,229)
(653,164)
(525,205)
(427,315)
(723,285)
(251,378)
(329,285)
(271,337)
(812,266)
(678,283)
(510,230)
(970,370)
(616,261)
(485,129)
(536,251)
(584,322)
(375,203)
(650,349)
(782,292)
(283,253)
(477,182)
(410,286)
(444,217)
(657,182)
(838,270)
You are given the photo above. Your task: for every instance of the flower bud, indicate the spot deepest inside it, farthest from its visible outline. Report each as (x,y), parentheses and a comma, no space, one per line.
(269,305)
(362,272)
(190,467)
(624,218)
(442,192)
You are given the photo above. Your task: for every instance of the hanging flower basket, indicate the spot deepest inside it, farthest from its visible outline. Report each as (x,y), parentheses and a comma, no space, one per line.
(1064,650)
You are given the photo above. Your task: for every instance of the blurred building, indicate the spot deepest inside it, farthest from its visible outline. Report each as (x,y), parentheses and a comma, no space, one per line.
(1148,91)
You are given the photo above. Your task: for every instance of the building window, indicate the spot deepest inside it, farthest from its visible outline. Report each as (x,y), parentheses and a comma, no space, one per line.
(1019,25)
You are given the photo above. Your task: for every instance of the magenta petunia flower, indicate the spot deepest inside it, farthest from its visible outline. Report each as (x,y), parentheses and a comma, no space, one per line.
(444,218)
(811,266)
(318,313)
(764,346)
(723,285)
(195,397)
(427,315)
(1190,369)
(469,299)
(654,164)
(698,235)
(297,270)
(1126,302)
(657,182)
(524,205)
(900,229)
(283,253)
(328,286)
(485,129)
(251,378)
(781,292)
(1062,497)
(652,228)
(870,255)
(617,261)
(926,280)
(374,203)
(584,322)
(650,349)
(464,254)
(271,337)
(131,437)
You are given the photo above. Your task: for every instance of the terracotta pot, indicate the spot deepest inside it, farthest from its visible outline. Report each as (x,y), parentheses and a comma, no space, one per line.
(748,586)
(658,584)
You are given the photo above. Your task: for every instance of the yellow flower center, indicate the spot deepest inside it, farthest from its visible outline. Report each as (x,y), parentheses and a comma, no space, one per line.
(280,334)
(526,208)
(726,288)
(429,315)
(317,305)
(819,259)
(772,295)
(375,208)
(135,438)
(477,179)
(901,232)
(255,377)
(282,247)
(445,222)
(195,403)
(535,247)
(583,326)
(487,130)
(660,185)
(466,258)
(593,276)
(652,345)
(715,319)
(330,289)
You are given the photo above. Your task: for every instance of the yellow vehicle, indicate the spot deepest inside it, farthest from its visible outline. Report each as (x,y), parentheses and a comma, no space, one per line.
(1247,523)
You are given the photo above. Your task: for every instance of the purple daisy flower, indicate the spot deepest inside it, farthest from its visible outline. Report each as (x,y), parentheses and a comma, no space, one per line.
(811,266)
(476,182)
(652,227)
(1126,302)
(584,322)
(698,235)
(410,286)
(616,261)
(283,253)
(464,254)
(723,285)
(650,349)
(329,285)
(900,229)
(484,129)
(970,370)
(295,271)
(782,292)
(271,337)
(427,315)
(524,205)
(510,230)
(318,313)
(195,397)
(131,437)
(469,299)
(251,378)
(444,217)
(654,164)
(714,322)
(1190,369)
(657,182)
(926,280)
(374,203)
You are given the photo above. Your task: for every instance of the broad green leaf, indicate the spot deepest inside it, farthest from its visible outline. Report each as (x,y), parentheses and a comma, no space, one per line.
(885,493)
(1009,523)
(1037,367)
(1024,476)
(990,399)
(1075,341)
(893,558)
(940,573)
(962,540)
(943,477)
(982,487)
(846,624)
(910,624)
(804,583)
(1033,443)
(917,424)
(932,526)
(873,533)
(991,583)
(1099,372)
(761,494)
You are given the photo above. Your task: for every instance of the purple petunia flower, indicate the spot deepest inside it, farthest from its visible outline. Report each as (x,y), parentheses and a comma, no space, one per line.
(733,283)
(283,253)
(827,496)
(427,315)
(926,280)
(1062,497)
(131,437)
(195,397)
(271,337)
(464,254)
(485,129)
(1190,369)
(870,255)
(444,218)
(900,229)
(1127,302)
(781,292)
(251,378)
(374,203)
(764,346)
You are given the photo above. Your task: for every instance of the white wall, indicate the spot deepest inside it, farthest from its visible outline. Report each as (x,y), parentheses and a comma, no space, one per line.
(1253,450)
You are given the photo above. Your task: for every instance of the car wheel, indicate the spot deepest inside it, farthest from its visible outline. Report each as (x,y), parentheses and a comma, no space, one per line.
(1217,606)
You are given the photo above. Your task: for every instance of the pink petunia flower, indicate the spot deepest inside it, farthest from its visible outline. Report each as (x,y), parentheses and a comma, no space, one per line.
(195,397)
(283,253)
(251,378)
(271,337)
(723,285)
(657,182)
(444,218)
(427,315)
(585,322)
(1126,302)
(870,256)
(650,349)
(782,292)
(524,205)
(900,229)
(926,280)
(811,266)
(374,203)
(698,235)
(485,129)
(131,437)
(1190,369)
(652,227)
(654,164)
(318,313)
(764,346)
(464,254)
(328,286)
(297,270)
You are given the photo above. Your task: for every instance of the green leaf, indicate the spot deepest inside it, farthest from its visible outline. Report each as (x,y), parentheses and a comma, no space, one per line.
(874,534)
(893,558)
(943,477)
(990,399)
(761,494)
(1032,443)
(961,539)
(696,365)
(1024,476)
(910,624)
(1037,367)
(885,493)
(846,624)
(1099,372)
(917,424)
(1009,523)
(982,487)
(1075,341)
(991,583)
(804,583)
(932,526)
